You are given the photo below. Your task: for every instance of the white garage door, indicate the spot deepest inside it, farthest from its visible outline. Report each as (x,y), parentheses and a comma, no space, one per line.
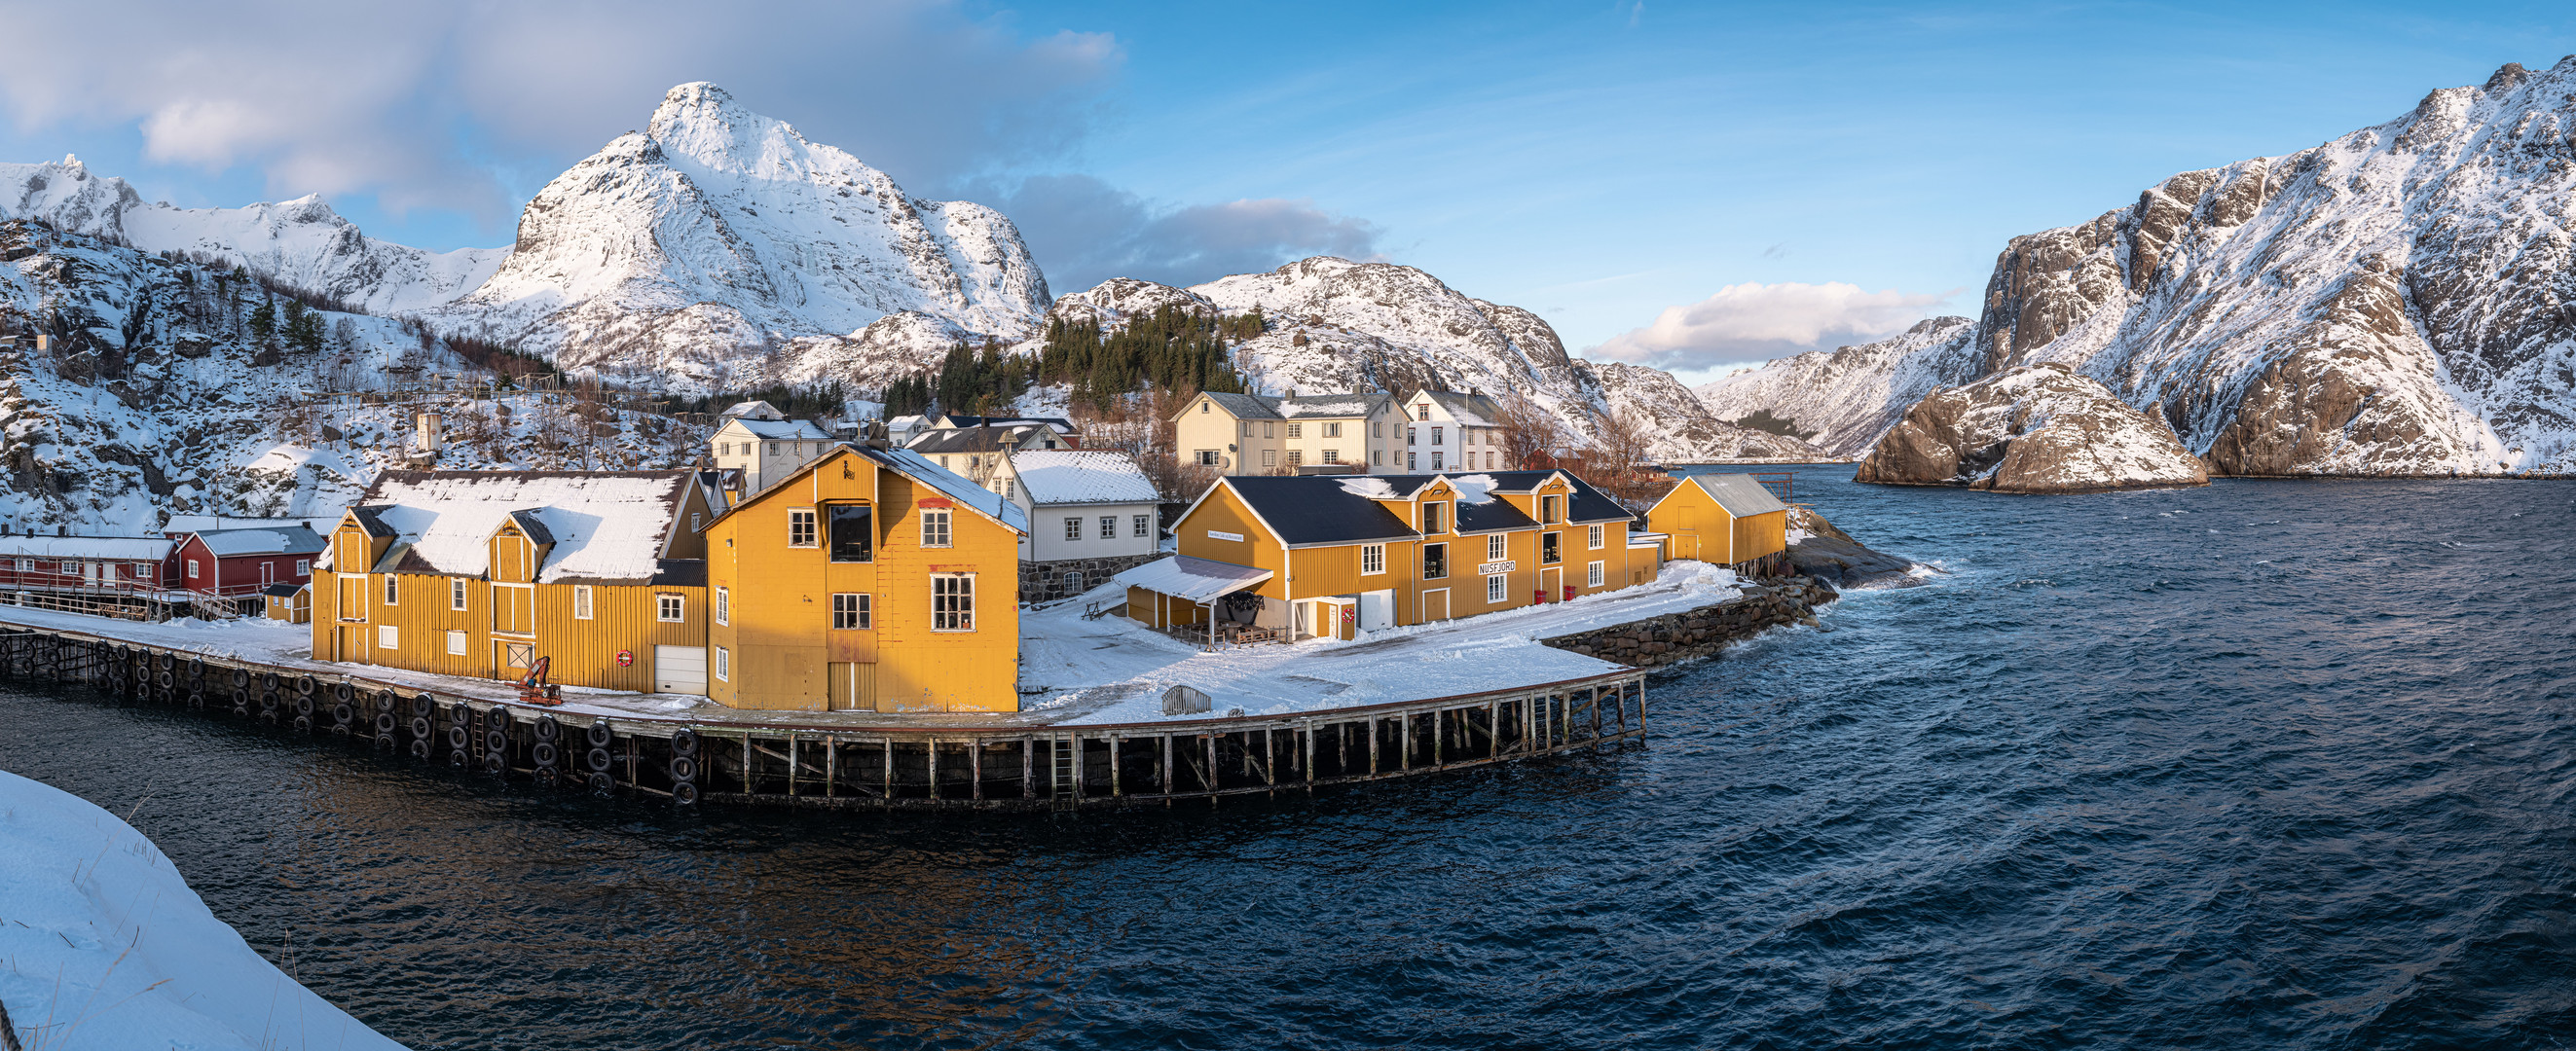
(680,669)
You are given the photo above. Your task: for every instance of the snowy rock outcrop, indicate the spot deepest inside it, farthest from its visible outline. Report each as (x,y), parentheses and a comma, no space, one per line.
(719,249)
(2031,429)
(302,242)
(1842,400)
(2393,302)
(1335,325)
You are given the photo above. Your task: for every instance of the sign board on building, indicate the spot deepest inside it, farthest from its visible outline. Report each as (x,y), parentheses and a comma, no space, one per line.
(1491,568)
(1217,535)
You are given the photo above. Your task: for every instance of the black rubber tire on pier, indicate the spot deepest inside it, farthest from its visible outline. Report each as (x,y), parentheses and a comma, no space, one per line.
(385,724)
(196,701)
(543,755)
(241,678)
(420,749)
(547,728)
(493,763)
(306,684)
(304,706)
(341,714)
(600,760)
(344,691)
(457,737)
(196,669)
(165,680)
(420,727)
(683,768)
(456,757)
(600,784)
(599,733)
(423,706)
(304,724)
(684,793)
(684,742)
(495,742)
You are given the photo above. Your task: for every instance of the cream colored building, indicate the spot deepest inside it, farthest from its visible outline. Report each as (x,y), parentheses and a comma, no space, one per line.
(1241,434)
(764,444)
(1449,431)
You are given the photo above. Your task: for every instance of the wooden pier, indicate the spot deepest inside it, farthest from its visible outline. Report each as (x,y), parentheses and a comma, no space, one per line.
(868,764)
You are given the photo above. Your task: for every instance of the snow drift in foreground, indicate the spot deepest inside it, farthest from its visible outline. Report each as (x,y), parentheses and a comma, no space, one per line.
(104,947)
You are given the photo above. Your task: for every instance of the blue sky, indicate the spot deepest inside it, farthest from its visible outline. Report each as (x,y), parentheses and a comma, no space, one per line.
(1841,169)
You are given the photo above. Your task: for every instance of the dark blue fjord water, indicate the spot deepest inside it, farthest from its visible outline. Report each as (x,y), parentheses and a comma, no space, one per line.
(2266,764)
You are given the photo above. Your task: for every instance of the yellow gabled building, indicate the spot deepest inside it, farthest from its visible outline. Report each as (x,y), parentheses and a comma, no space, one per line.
(480,573)
(1726,519)
(867,580)
(1308,557)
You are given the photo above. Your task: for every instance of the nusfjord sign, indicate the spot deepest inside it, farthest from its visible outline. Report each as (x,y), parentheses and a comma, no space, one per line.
(1216,535)
(1490,568)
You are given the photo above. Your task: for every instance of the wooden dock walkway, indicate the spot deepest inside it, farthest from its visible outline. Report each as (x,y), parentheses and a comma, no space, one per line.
(858,759)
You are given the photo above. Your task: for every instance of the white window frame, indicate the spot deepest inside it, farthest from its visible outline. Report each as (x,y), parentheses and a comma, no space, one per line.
(1498,547)
(955,620)
(1144,524)
(581,602)
(303,568)
(1594,573)
(192,569)
(1296,457)
(1372,555)
(670,609)
(861,609)
(26,565)
(1592,537)
(1497,589)
(1332,456)
(393,590)
(1296,430)
(724,606)
(1109,527)
(936,528)
(388,637)
(724,664)
(1269,457)
(456,593)
(455,642)
(809,520)
(1332,430)
(1072,528)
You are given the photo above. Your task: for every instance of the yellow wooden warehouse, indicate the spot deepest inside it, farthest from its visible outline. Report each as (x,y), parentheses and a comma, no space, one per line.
(1314,557)
(867,580)
(1727,519)
(480,573)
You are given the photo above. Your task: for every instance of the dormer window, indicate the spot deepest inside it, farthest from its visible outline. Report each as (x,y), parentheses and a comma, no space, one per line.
(1422,412)
(1434,518)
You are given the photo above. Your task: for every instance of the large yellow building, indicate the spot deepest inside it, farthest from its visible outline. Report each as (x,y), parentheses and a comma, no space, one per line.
(1312,557)
(480,573)
(867,580)
(1727,519)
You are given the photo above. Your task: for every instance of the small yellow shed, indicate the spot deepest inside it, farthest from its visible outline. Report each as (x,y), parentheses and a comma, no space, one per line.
(292,603)
(1727,519)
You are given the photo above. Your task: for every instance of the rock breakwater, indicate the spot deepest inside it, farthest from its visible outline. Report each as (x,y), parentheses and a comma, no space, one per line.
(1704,631)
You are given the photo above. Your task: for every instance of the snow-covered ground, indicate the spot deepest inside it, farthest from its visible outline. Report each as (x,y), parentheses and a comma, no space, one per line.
(103,946)
(1113,670)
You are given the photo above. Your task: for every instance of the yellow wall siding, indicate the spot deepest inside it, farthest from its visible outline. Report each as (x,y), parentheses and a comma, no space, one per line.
(1700,529)
(780,642)
(1760,535)
(622,617)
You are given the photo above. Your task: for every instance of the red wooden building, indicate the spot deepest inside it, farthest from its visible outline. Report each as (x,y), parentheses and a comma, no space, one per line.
(240,564)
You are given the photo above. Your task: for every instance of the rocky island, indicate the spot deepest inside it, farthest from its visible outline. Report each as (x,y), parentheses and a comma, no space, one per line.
(2033,429)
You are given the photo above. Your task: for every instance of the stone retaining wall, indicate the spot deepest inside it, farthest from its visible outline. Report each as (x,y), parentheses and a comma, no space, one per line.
(1044,581)
(1702,632)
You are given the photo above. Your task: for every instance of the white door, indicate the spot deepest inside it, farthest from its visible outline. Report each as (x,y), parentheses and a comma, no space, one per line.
(1377,610)
(680,669)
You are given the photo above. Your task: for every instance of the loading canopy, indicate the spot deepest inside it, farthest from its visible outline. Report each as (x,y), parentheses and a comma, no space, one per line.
(1193,580)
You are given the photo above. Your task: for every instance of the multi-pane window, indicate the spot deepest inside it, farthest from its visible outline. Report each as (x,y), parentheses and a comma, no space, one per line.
(1435,434)
(1412,436)
(850,611)
(1247,429)
(1412,461)
(1435,561)
(1377,457)
(1549,552)
(1489,460)
(1373,558)
(1296,430)
(1143,524)
(1547,509)
(1592,537)
(854,533)
(1269,429)
(724,664)
(669,608)
(1593,575)
(1497,548)
(393,589)
(1435,459)
(724,606)
(952,602)
(1296,457)
(934,528)
(581,602)
(1073,527)
(1434,516)
(1495,588)
(455,643)
(1109,527)
(1332,456)
(388,637)
(1269,457)
(192,569)
(1211,458)
(303,568)
(800,527)
(456,592)
(1422,412)
(1332,430)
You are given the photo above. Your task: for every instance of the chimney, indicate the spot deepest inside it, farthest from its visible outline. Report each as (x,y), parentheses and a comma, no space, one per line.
(426,438)
(44,342)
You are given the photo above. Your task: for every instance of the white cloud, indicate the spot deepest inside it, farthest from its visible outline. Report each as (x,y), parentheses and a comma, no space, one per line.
(1084,231)
(449,104)
(1754,322)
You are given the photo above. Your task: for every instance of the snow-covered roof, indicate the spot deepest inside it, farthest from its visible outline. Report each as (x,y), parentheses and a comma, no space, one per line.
(1739,494)
(286,540)
(110,548)
(955,486)
(1298,405)
(1066,476)
(181,525)
(605,525)
(753,410)
(781,430)
(1474,410)
(1191,579)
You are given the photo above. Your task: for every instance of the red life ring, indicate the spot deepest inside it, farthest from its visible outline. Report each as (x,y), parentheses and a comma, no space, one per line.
(625,658)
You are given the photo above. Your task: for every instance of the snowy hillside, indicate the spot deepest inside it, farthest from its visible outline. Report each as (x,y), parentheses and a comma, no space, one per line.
(698,251)
(154,399)
(1336,325)
(300,242)
(1844,399)
(2391,302)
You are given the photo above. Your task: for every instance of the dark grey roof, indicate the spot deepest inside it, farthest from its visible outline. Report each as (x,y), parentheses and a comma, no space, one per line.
(1589,504)
(283,589)
(680,573)
(368,521)
(987,439)
(536,531)
(1245,406)
(1317,510)
(957,422)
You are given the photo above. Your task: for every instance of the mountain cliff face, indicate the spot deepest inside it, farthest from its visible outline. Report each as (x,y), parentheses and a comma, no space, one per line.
(300,242)
(1843,399)
(719,249)
(2401,300)
(2030,429)
(1336,325)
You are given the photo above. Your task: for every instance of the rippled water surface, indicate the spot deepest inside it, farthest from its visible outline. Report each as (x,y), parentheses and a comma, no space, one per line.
(2266,764)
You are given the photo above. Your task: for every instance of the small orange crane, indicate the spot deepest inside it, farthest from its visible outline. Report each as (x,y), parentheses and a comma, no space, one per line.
(536,690)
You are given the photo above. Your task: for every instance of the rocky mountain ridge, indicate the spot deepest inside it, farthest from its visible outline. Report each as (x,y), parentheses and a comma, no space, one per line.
(2392,302)
(2030,429)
